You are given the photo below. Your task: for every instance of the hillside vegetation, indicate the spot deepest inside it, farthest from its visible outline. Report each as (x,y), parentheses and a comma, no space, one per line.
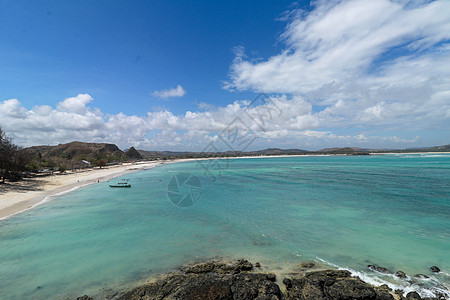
(76,155)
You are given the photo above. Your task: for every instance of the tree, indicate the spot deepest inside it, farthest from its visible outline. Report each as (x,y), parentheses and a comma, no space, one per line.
(13,159)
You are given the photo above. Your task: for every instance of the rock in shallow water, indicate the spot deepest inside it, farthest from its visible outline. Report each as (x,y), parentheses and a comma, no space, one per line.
(413,296)
(435,269)
(400,274)
(379,269)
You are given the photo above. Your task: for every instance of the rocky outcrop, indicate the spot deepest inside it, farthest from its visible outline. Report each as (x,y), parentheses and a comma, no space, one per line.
(435,269)
(210,280)
(220,280)
(413,296)
(379,269)
(332,284)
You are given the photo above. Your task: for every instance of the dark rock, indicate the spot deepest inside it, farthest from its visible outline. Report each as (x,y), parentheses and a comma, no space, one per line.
(257,265)
(379,269)
(85,297)
(421,276)
(219,267)
(383,292)
(385,287)
(287,282)
(400,274)
(332,284)
(349,289)
(307,265)
(202,268)
(413,296)
(398,292)
(244,265)
(210,280)
(435,269)
(271,277)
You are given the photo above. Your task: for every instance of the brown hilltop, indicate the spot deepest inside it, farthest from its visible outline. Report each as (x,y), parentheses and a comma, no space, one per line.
(78,154)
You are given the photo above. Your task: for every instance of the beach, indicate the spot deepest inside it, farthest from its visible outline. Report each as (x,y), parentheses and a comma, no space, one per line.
(16,197)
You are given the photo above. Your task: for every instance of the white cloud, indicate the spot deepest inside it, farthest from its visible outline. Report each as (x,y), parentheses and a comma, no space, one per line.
(275,121)
(75,104)
(371,64)
(334,45)
(175,92)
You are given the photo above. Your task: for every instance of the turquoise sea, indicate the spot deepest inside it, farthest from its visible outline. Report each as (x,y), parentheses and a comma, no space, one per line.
(342,211)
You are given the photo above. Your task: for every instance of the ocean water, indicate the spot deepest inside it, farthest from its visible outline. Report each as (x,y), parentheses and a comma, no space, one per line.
(342,211)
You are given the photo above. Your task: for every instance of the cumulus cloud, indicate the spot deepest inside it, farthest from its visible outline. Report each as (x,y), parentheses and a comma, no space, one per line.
(169,93)
(75,104)
(361,62)
(278,120)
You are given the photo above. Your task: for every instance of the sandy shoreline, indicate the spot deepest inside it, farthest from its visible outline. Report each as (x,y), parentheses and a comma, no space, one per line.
(23,195)
(19,196)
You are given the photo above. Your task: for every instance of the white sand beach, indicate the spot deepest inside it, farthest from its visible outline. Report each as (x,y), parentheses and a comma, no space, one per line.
(16,197)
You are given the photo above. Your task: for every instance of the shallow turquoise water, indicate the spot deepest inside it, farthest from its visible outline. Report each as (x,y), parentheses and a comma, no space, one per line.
(391,210)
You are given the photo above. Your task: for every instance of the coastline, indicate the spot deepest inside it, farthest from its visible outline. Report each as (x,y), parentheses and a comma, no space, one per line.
(23,195)
(238,278)
(31,192)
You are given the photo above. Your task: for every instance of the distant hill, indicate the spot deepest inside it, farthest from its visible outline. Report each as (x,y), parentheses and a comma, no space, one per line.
(78,155)
(345,150)
(171,154)
(277,151)
(443,148)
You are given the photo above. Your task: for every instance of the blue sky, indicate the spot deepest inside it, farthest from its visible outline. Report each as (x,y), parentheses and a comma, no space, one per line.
(117,50)
(174,74)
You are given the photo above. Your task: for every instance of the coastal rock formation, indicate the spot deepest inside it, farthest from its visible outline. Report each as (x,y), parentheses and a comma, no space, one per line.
(413,296)
(210,280)
(379,269)
(400,274)
(220,280)
(332,284)
(435,269)
(307,265)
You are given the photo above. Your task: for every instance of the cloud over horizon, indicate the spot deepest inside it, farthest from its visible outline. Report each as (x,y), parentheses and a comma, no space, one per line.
(285,121)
